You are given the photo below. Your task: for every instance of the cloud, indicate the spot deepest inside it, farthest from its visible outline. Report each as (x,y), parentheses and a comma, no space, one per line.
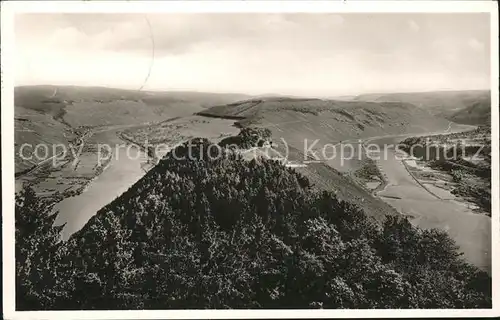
(255,52)
(475,44)
(178,33)
(413,26)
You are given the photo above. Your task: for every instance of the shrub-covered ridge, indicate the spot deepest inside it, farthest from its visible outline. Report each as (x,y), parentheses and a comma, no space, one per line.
(228,233)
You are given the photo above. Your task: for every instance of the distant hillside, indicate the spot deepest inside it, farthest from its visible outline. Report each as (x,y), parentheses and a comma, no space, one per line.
(32,128)
(330,121)
(476,114)
(91,106)
(350,117)
(448,104)
(48,114)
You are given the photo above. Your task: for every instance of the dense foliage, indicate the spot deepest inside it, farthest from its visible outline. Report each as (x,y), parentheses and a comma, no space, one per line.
(369,171)
(248,137)
(38,248)
(229,233)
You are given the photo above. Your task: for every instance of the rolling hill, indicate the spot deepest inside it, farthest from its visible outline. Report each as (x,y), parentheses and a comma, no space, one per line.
(202,232)
(49,114)
(453,105)
(33,128)
(477,114)
(328,121)
(299,122)
(350,118)
(93,106)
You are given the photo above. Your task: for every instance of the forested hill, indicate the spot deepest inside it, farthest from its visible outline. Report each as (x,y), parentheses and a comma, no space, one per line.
(231,233)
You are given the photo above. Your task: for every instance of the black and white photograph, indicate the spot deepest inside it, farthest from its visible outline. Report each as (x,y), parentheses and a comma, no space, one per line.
(270,157)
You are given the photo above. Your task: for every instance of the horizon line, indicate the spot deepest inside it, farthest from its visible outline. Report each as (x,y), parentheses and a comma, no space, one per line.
(268,94)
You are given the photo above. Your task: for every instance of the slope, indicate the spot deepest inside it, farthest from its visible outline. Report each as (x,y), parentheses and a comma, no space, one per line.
(34,128)
(94,106)
(443,103)
(478,113)
(349,118)
(48,115)
(323,124)
(225,233)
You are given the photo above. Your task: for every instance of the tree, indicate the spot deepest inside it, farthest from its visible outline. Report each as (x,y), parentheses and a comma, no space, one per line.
(230,233)
(37,245)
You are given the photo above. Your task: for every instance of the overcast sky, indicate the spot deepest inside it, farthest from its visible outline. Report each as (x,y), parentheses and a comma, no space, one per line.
(300,54)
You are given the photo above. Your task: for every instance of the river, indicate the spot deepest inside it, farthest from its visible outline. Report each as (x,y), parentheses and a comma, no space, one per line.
(471,231)
(125,169)
(122,172)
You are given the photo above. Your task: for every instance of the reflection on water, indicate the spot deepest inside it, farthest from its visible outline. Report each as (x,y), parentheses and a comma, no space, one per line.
(123,171)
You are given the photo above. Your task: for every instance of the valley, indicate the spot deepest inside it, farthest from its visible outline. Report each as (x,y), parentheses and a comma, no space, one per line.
(90,161)
(123,167)
(222,161)
(311,136)
(465,107)
(430,207)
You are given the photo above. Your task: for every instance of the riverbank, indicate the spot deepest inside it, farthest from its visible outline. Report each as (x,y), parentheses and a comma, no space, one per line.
(471,231)
(127,165)
(122,172)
